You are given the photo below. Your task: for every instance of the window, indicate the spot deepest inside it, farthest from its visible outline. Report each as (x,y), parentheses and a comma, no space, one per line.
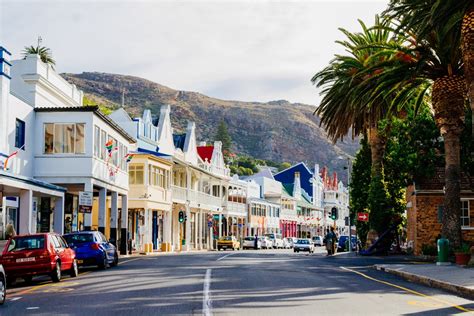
(103,140)
(20,134)
(97,143)
(114,152)
(157,177)
(135,174)
(465,218)
(64,138)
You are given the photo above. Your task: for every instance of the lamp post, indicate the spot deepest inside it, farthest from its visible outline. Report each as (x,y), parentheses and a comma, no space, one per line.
(349,167)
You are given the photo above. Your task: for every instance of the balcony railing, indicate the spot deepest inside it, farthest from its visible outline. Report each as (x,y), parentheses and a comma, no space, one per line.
(195,198)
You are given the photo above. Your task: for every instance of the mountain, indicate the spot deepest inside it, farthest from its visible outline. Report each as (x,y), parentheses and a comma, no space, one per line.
(277,130)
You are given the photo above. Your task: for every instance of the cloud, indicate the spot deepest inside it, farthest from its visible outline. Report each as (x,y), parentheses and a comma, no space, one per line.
(241,50)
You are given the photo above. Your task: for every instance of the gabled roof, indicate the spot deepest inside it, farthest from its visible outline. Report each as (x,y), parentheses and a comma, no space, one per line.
(294,166)
(205,152)
(178,140)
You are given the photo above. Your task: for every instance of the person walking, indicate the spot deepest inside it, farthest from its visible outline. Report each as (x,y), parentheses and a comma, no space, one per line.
(255,242)
(330,240)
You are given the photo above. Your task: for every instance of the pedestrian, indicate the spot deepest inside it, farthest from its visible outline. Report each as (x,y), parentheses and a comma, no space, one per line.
(330,241)
(10,231)
(255,242)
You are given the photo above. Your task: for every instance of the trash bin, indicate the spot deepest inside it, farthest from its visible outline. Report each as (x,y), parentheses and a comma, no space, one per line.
(443,251)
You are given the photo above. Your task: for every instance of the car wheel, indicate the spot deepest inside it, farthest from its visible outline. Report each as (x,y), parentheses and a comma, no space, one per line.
(115,262)
(294,250)
(3,290)
(103,264)
(74,269)
(56,274)
(28,279)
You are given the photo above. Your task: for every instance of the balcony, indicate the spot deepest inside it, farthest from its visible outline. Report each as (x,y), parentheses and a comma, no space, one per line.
(225,172)
(196,198)
(236,209)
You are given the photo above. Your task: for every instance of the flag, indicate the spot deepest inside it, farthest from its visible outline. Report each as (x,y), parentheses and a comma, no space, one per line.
(129,157)
(111,150)
(109,145)
(5,165)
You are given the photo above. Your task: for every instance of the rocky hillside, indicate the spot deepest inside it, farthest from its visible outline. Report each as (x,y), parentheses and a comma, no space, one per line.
(277,130)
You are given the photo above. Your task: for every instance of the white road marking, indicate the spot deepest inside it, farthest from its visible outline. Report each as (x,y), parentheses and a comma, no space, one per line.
(15,298)
(35,307)
(206,300)
(230,254)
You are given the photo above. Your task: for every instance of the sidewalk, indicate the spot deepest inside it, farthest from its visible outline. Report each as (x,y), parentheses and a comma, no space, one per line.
(454,279)
(161,253)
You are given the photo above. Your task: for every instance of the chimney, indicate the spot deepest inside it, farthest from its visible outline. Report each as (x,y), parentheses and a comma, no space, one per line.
(4,98)
(334,179)
(297,186)
(316,171)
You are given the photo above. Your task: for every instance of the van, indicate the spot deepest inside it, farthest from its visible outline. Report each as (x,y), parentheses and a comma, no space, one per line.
(277,240)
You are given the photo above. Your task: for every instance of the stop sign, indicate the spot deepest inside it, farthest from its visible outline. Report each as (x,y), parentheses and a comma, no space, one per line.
(363,217)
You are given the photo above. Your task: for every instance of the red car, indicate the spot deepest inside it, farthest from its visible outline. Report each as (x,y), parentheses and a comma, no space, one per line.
(26,256)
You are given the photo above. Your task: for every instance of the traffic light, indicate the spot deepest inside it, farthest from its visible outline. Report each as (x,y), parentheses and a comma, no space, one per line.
(334,213)
(181,216)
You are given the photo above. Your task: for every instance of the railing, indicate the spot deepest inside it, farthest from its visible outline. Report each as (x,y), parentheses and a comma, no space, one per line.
(215,170)
(195,197)
(238,209)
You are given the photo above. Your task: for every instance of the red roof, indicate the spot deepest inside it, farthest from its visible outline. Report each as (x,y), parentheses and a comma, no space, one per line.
(205,152)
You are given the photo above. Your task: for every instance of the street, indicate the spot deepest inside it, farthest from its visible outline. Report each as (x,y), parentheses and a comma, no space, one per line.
(267,282)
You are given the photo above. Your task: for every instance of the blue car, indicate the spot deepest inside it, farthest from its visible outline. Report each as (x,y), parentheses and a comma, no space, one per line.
(92,248)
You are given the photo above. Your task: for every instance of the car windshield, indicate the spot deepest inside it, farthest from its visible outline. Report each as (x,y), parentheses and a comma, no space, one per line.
(227,238)
(79,238)
(303,241)
(250,238)
(271,236)
(26,243)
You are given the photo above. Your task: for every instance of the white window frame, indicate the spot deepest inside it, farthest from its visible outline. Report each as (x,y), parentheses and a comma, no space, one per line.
(75,138)
(468,217)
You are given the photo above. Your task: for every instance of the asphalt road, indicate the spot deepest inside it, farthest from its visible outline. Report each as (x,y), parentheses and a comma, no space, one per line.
(272,282)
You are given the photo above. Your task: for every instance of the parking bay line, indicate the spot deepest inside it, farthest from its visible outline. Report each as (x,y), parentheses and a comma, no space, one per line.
(206,300)
(409,290)
(225,256)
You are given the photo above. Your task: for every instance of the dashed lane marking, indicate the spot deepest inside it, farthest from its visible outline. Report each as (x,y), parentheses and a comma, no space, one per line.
(126,261)
(409,290)
(33,307)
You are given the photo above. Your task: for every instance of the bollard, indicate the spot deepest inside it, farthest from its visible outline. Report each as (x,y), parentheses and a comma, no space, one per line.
(443,252)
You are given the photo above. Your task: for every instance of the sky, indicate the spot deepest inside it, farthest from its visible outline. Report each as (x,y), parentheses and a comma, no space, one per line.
(235,50)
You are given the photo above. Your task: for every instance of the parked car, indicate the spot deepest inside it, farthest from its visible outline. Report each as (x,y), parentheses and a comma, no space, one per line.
(292,241)
(228,242)
(267,243)
(343,243)
(93,249)
(26,256)
(3,285)
(287,243)
(276,239)
(249,243)
(304,245)
(318,240)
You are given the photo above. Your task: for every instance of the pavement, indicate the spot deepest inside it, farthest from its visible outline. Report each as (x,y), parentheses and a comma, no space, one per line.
(452,278)
(266,282)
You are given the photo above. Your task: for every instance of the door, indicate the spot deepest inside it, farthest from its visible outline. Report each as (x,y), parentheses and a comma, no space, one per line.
(60,249)
(154,232)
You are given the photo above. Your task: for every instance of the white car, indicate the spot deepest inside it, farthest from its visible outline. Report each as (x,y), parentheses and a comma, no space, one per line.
(304,245)
(276,240)
(287,243)
(267,243)
(318,241)
(249,243)
(292,241)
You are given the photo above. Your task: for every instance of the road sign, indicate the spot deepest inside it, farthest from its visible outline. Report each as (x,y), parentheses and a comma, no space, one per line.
(85,202)
(363,217)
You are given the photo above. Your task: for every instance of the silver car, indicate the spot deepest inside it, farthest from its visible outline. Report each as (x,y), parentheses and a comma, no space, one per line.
(249,243)
(267,243)
(304,245)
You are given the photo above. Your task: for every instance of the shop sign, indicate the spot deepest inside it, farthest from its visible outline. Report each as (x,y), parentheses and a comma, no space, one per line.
(85,202)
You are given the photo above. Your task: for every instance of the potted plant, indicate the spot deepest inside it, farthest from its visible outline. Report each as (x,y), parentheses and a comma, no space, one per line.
(462,254)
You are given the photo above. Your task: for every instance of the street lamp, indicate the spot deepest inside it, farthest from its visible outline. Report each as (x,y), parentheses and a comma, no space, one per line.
(349,167)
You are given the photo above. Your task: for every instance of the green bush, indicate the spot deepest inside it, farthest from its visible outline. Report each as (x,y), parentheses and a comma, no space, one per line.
(429,250)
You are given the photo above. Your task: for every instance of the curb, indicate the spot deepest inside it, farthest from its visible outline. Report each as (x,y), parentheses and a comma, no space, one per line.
(449,287)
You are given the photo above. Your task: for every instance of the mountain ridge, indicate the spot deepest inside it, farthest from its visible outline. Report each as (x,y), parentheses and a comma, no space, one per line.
(276,130)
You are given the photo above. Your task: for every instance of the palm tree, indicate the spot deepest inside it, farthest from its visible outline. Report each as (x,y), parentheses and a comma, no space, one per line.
(348,105)
(43,52)
(433,61)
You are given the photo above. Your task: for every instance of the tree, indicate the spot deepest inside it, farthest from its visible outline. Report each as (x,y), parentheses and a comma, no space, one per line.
(43,52)
(348,105)
(431,60)
(222,134)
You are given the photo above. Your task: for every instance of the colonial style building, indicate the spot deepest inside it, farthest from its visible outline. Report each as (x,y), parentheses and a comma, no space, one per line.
(425,199)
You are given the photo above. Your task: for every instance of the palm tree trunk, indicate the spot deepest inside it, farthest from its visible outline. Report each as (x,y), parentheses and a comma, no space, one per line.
(377,149)
(448,103)
(467,44)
